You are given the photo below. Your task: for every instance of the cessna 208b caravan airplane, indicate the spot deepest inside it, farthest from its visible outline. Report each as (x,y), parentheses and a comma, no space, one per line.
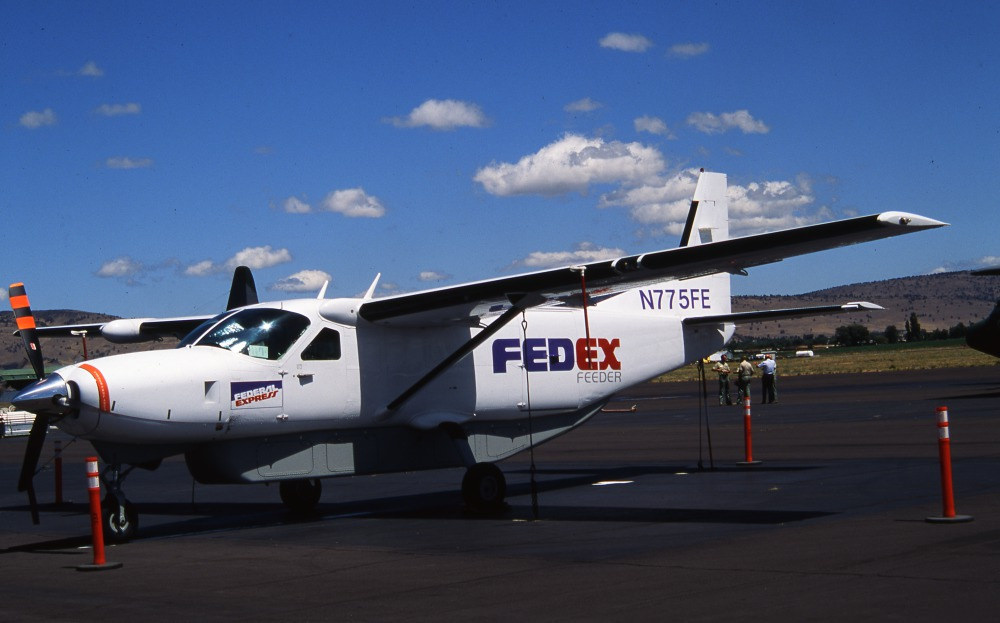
(298,390)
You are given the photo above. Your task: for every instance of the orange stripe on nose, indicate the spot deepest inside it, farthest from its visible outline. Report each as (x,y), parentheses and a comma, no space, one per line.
(104,397)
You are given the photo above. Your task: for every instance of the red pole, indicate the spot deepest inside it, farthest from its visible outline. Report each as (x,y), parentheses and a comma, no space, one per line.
(944,454)
(747,436)
(94,487)
(586,318)
(58,470)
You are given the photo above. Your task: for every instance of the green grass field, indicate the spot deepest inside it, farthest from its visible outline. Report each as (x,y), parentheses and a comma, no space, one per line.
(874,358)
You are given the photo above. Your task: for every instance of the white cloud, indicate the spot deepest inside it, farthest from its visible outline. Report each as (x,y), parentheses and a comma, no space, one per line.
(626,42)
(3,295)
(756,207)
(34,119)
(662,202)
(259,257)
(124,162)
(120,268)
(302,281)
(294,205)
(431,275)
(717,124)
(688,50)
(117,110)
(582,105)
(91,69)
(572,163)
(989,260)
(443,115)
(653,125)
(200,269)
(585,252)
(355,203)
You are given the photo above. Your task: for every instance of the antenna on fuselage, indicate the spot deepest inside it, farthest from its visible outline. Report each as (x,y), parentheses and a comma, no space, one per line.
(322,291)
(371,289)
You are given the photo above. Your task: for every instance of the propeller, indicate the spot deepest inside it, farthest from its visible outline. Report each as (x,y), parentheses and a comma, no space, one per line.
(46,397)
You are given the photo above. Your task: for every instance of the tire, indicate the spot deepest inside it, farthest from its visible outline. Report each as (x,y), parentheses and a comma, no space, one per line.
(484,488)
(120,522)
(300,496)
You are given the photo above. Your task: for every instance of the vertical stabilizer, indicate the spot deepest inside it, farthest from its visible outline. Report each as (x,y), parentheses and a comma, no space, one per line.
(708,218)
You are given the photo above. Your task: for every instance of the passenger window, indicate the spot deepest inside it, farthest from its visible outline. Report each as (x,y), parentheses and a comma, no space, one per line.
(324,346)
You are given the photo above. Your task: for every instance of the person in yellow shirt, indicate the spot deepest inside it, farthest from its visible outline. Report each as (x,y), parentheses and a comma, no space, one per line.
(723,370)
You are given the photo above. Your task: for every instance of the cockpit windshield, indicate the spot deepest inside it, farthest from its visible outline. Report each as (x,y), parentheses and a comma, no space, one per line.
(258,332)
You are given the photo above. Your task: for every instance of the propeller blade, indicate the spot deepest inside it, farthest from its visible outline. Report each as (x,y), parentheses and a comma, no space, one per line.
(26,327)
(243,291)
(36,439)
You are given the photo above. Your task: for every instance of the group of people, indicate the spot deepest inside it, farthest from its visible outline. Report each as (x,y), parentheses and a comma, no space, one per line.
(744,372)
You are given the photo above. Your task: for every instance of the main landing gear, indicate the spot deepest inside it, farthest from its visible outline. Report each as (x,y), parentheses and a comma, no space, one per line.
(119,519)
(300,496)
(484,488)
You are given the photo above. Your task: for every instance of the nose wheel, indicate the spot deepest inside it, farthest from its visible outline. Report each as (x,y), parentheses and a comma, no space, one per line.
(119,518)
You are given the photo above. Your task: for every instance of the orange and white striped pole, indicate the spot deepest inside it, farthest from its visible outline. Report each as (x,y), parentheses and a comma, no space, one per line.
(747,435)
(94,487)
(947,491)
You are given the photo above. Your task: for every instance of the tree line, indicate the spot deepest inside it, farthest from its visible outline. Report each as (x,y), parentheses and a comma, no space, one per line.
(856,334)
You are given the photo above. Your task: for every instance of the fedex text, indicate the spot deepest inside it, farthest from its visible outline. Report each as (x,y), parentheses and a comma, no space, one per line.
(557,354)
(256,394)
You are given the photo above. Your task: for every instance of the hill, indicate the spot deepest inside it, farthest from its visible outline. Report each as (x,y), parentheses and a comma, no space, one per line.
(940,302)
(62,350)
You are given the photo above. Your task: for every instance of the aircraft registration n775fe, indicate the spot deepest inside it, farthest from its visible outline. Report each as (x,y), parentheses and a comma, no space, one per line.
(298,390)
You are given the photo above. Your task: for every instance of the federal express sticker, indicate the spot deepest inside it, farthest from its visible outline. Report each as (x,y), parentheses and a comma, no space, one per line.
(255,394)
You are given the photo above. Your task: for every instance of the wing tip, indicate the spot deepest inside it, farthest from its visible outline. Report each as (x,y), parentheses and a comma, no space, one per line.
(908,220)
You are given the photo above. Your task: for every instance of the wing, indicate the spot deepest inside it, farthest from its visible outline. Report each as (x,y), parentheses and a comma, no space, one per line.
(131,330)
(609,277)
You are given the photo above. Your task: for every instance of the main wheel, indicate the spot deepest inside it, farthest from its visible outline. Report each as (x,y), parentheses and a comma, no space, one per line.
(300,496)
(484,488)
(120,521)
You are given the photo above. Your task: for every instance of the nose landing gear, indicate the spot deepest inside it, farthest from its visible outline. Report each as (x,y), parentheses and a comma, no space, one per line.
(119,519)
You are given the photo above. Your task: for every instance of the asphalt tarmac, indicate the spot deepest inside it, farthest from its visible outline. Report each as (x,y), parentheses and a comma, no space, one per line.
(639,518)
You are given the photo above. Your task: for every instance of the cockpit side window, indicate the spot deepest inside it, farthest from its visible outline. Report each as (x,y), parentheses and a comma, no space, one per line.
(324,347)
(260,332)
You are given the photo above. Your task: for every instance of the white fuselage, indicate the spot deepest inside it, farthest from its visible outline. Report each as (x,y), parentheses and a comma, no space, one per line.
(540,362)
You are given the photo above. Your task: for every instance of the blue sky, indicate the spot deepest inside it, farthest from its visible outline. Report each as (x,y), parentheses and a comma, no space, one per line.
(146,148)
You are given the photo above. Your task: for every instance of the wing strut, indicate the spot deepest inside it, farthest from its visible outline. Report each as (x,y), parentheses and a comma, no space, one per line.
(519,303)
(586,319)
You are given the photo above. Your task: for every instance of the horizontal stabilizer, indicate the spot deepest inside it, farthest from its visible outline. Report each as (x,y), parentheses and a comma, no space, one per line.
(781,314)
(987,271)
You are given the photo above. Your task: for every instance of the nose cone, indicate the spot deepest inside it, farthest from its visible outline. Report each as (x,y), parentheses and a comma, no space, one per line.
(50,396)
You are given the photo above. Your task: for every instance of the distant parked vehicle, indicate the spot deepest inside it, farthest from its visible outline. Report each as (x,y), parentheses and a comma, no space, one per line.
(14,423)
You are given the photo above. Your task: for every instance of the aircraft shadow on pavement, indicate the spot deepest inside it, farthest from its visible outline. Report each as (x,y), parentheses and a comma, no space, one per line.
(203,517)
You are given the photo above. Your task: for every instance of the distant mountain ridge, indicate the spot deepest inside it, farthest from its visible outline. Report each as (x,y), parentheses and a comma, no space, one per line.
(940,302)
